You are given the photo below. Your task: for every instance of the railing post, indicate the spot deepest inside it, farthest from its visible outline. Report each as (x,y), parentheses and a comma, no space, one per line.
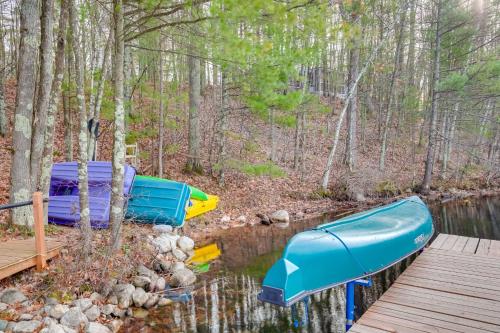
(41,248)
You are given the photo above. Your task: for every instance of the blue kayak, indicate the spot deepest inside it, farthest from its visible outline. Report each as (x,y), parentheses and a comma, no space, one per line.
(348,249)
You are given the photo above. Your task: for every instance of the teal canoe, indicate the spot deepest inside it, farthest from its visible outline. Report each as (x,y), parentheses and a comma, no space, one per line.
(158,202)
(351,248)
(196,193)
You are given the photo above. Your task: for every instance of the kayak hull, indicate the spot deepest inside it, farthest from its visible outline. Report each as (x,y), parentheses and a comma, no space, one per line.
(347,249)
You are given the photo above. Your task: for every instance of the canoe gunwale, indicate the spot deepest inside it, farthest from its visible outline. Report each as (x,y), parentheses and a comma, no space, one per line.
(296,298)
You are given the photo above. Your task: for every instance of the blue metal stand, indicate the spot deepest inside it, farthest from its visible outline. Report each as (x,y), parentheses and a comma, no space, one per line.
(295,314)
(349,295)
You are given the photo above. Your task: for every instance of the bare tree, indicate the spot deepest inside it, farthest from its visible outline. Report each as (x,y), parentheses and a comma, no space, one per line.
(20,181)
(193,162)
(83,185)
(44,89)
(117,200)
(429,162)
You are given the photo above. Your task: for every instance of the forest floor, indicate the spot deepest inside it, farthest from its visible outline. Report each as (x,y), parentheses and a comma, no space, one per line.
(244,193)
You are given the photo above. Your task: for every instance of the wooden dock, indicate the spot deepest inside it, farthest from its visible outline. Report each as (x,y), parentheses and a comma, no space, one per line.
(19,254)
(453,286)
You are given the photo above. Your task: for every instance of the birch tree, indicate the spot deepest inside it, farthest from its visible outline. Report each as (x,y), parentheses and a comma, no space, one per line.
(83,185)
(117,200)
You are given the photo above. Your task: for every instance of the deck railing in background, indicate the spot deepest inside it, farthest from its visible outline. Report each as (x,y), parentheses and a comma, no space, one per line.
(40,245)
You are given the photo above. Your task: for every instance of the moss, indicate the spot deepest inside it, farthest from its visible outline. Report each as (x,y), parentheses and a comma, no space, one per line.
(387,188)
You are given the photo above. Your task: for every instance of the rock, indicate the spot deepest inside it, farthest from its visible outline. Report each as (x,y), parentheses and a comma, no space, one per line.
(68,329)
(162,244)
(93,313)
(108,287)
(162,229)
(170,238)
(140,313)
(141,282)
(160,284)
(25,316)
(108,309)
(242,219)
(53,328)
(115,325)
(282,225)
(83,303)
(359,197)
(178,265)
(47,321)
(113,300)
(129,312)
(183,277)
(51,301)
(179,255)
(264,219)
(12,296)
(124,294)
(117,312)
(3,306)
(57,311)
(164,301)
(225,219)
(144,271)
(26,326)
(280,216)
(139,296)
(97,328)
(3,324)
(152,300)
(185,243)
(73,318)
(154,279)
(96,297)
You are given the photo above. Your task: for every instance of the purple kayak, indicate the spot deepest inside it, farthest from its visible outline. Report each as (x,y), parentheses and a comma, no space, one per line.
(64,206)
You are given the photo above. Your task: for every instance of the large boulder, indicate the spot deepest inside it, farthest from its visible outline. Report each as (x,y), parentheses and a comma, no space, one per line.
(280,216)
(183,277)
(12,296)
(74,318)
(185,243)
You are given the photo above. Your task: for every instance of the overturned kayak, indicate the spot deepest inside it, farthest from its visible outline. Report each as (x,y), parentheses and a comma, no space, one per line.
(348,249)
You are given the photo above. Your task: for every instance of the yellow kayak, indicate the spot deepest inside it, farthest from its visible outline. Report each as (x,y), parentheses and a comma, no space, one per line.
(201,207)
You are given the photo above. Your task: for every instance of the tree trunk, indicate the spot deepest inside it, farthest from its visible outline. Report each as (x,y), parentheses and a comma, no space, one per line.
(429,163)
(55,93)
(221,123)
(117,199)
(20,184)
(3,74)
(352,111)
(92,148)
(162,117)
(44,88)
(83,184)
(394,75)
(194,158)
(329,163)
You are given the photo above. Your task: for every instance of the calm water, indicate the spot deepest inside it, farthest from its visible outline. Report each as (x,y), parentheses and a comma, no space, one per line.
(226,300)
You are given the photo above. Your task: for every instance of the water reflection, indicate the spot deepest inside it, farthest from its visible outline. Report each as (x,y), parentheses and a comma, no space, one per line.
(226,300)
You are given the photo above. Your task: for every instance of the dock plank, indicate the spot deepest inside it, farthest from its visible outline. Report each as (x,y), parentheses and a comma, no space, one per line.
(19,254)
(452,286)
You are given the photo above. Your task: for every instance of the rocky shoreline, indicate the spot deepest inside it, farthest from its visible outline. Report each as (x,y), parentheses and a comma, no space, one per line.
(104,312)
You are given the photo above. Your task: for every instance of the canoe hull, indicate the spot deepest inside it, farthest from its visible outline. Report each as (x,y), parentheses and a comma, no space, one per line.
(347,249)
